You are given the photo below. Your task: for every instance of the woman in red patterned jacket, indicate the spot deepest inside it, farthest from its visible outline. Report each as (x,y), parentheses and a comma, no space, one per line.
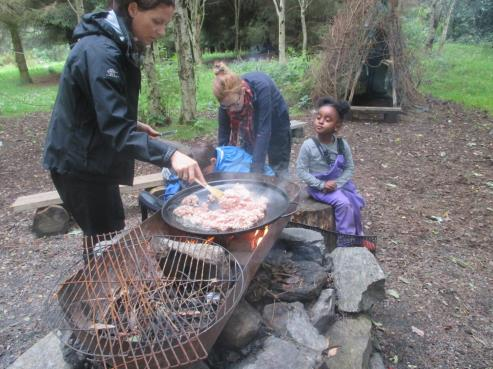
(254,116)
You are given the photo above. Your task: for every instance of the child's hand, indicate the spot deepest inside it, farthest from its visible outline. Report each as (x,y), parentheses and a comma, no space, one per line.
(330,186)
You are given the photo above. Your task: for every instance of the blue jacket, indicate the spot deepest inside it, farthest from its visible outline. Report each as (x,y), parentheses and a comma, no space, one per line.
(92,132)
(228,159)
(271,118)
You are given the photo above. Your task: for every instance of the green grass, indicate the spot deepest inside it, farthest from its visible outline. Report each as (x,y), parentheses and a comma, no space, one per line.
(19,99)
(461,73)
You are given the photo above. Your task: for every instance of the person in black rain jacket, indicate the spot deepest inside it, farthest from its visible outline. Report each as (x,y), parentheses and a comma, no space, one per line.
(253,115)
(94,136)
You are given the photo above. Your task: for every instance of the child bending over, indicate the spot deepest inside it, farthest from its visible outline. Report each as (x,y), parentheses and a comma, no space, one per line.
(210,160)
(325,164)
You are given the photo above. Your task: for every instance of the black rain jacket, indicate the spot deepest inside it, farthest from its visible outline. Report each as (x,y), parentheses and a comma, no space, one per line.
(92,133)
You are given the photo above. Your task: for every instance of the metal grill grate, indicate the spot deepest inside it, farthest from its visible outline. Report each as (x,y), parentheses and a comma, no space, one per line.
(138,303)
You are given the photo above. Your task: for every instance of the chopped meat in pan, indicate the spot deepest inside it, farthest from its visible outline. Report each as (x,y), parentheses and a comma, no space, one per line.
(237,209)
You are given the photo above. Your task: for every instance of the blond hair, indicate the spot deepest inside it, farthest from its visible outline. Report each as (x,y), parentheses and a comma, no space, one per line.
(226,81)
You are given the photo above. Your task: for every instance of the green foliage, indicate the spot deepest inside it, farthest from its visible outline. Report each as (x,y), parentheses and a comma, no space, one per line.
(415,27)
(473,21)
(291,79)
(461,73)
(17,99)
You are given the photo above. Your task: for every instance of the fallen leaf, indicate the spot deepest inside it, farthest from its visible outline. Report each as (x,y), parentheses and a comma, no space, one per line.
(393,293)
(435,218)
(378,325)
(459,262)
(418,331)
(332,351)
(404,280)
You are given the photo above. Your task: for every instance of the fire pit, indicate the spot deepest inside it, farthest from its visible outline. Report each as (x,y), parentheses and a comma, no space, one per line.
(154,297)
(143,303)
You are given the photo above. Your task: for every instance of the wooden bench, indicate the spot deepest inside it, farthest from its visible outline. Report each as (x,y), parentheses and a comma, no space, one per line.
(51,218)
(43,199)
(390,114)
(297,128)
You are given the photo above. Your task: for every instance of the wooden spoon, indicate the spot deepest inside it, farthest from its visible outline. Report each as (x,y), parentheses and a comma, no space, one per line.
(217,193)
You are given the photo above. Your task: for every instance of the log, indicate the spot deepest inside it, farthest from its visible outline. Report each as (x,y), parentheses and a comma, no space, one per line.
(314,213)
(51,220)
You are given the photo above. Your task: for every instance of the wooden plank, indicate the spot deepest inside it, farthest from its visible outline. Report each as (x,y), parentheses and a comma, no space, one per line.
(377,109)
(297,124)
(40,200)
(36,201)
(142,182)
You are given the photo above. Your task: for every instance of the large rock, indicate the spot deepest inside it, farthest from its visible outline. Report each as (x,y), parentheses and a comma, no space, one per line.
(304,284)
(358,279)
(281,278)
(277,353)
(296,237)
(353,337)
(291,320)
(323,311)
(376,361)
(45,354)
(242,327)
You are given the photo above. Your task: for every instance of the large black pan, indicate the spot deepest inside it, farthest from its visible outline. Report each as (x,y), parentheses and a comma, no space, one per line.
(277,206)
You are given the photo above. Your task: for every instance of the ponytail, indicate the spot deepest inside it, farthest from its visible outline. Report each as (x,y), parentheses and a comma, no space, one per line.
(342,106)
(226,81)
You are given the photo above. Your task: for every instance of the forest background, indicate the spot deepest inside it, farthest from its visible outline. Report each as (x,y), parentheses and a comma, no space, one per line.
(451,42)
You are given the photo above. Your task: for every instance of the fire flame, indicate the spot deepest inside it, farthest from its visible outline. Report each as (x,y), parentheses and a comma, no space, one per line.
(258,236)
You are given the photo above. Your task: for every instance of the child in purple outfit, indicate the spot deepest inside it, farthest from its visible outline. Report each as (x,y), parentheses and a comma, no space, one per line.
(325,164)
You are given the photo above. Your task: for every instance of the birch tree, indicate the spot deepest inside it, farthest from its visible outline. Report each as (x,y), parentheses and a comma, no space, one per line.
(78,7)
(447,24)
(157,111)
(237,9)
(195,18)
(435,14)
(12,16)
(304,4)
(281,16)
(186,71)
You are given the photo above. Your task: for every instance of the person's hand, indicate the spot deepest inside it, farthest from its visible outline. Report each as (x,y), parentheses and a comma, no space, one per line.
(186,168)
(142,127)
(330,186)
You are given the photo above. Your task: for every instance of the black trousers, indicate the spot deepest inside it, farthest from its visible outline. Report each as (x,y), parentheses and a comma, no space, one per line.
(280,146)
(96,207)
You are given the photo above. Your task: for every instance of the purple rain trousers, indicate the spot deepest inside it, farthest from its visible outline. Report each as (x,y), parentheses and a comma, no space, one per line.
(346,201)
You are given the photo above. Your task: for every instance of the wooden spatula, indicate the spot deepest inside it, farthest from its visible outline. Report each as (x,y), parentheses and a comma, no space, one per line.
(217,193)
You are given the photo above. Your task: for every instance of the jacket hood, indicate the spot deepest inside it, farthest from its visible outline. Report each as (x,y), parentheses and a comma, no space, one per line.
(107,24)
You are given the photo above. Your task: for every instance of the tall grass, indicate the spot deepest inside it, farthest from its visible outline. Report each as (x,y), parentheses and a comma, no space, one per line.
(461,73)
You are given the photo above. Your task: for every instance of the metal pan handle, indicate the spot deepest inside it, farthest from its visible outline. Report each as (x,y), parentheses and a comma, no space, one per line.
(292,207)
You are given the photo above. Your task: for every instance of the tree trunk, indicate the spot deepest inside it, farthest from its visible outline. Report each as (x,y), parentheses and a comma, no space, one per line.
(186,71)
(281,15)
(303,29)
(447,24)
(237,5)
(197,52)
(195,12)
(157,111)
(79,9)
(434,19)
(20,58)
